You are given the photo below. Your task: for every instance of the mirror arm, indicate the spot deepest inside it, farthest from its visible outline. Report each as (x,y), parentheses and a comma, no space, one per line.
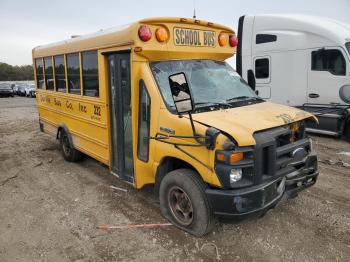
(195,135)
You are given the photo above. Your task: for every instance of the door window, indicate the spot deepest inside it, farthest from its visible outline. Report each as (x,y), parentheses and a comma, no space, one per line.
(262,68)
(331,60)
(144,123)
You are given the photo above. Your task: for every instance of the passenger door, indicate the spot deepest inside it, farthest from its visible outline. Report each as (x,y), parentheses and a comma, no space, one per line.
(120,110)
(262,69)
(328,72)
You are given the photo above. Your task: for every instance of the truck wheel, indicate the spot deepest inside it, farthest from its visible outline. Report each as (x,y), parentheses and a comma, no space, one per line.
(347,132)
(69,153)
(184,203)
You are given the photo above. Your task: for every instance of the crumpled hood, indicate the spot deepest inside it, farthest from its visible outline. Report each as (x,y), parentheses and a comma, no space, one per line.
(242,122)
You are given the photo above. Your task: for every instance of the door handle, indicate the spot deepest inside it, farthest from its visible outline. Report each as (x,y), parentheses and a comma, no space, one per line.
(314,95)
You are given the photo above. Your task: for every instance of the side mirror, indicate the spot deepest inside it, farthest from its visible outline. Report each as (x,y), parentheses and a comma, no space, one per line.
(181,93)
(251,79)
(344,93)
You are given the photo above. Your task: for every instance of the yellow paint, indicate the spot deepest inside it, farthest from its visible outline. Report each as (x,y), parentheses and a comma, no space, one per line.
(87,118)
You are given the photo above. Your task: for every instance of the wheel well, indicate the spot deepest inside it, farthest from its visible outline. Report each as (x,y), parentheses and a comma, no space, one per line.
(169,164)
(58,132)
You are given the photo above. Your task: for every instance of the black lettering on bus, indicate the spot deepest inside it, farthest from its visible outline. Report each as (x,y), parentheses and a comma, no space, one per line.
(182,36)
(69,105)
(177,33)
(205,38)
(191,37)
(97,110)
(82,108)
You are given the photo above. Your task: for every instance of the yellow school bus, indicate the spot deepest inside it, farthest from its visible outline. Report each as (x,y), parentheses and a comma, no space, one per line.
(155,102)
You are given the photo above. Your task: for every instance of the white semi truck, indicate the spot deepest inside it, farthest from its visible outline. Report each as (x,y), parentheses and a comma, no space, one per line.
(301,61)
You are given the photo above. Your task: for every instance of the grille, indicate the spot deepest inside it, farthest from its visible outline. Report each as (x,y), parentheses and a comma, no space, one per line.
(273,154)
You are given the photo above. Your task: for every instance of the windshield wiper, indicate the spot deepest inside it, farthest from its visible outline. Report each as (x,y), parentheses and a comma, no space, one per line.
(237,98)
(212,103)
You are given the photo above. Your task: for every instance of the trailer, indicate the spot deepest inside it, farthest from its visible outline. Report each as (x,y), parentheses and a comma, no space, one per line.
(301,61)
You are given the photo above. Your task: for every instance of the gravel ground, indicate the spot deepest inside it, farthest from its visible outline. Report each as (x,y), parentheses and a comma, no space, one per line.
(49,209)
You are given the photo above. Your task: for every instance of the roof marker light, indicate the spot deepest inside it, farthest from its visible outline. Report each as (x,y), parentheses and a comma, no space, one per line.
(222,39)
(145,33)
(162,34)
(233,40)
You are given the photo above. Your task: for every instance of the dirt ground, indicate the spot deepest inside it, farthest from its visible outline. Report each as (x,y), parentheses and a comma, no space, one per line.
(49,209)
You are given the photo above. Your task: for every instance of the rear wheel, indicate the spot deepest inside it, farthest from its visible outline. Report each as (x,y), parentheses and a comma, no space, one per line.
(347,132)
(68,151)
(184,203)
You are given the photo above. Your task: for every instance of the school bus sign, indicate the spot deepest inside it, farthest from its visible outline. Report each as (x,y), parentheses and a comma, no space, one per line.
(194,37)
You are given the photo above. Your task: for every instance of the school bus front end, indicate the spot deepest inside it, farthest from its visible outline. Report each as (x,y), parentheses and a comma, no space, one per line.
(175,115)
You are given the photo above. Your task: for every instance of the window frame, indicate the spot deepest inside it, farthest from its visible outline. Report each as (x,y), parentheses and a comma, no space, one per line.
(64,72)
(142,86)
(52,73)
(314,52)
(42,73)
(265,38)
(82,73)
(263,79)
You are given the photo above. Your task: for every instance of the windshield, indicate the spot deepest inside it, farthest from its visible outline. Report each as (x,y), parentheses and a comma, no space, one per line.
(348,46)
(211,82)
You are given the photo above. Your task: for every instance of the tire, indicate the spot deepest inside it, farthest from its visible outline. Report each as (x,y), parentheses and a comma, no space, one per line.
(69,153)
(193,214)
(347,132)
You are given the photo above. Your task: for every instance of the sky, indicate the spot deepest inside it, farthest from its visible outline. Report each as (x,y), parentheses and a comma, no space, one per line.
(28,23)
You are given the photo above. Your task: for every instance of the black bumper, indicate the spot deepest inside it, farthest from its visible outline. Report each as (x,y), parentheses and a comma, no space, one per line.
(255,200)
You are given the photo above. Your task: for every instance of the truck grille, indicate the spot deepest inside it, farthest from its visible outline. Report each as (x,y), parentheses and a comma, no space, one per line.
(273,155)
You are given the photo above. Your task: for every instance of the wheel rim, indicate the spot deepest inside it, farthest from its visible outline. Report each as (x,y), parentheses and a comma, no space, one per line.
(66,145)
(180,205)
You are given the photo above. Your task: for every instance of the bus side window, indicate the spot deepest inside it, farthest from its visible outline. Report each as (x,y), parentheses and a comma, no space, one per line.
(60,74)
(39,72)
(331,60)
(90,73)
(144,123)
(48,73)
(73,73)
(262,68)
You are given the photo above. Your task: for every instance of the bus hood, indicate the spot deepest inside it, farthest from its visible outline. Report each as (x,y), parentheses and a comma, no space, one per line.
(242,122)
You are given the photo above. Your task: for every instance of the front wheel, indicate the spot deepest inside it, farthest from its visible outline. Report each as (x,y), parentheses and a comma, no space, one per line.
(184,203)
(68,151)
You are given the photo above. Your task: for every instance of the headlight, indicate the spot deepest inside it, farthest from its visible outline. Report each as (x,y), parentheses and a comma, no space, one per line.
(235,175)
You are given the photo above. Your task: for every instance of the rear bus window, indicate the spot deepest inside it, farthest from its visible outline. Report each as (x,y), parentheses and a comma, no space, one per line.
(48,73)
(73,73)
(90,73)
(60,74)
(39,72)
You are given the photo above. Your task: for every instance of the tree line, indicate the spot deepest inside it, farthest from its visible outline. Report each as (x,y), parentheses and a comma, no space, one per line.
(15,73)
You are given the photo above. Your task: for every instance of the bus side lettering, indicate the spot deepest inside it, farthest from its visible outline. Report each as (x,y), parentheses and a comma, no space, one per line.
(82,108)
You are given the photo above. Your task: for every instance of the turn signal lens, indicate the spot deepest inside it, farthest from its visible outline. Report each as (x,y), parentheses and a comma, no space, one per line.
(145,33)
(236,157)
(162,34)
(228,158)
(233,40)
(220,157)
(222,39)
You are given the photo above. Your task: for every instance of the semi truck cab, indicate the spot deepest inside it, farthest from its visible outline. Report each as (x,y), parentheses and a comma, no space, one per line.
(301,61)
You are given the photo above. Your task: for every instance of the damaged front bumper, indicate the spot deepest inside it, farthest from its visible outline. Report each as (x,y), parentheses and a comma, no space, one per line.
(256,200)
